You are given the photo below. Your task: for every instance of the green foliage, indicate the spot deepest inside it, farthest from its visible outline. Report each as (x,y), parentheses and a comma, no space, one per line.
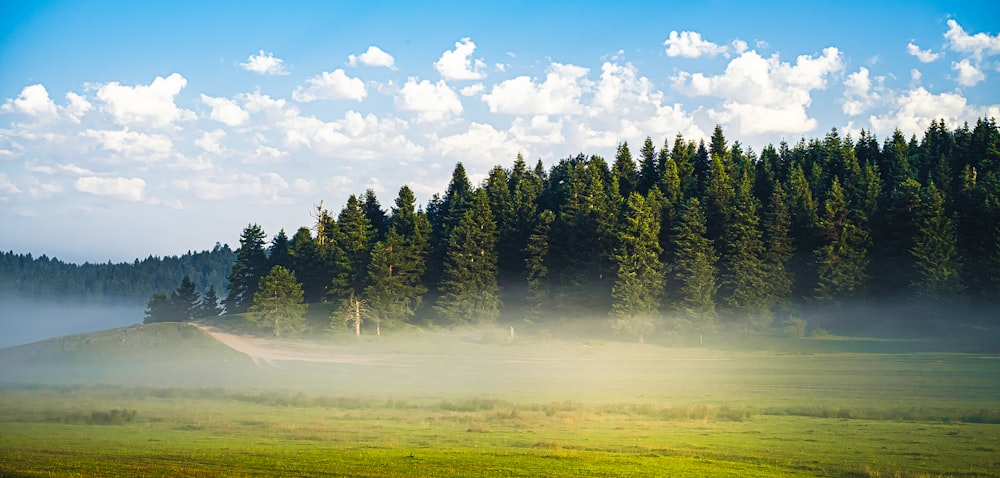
(277,303)
(695,272)
(843,259)
(251,264)
(469,287)
(935,251)
(640,278)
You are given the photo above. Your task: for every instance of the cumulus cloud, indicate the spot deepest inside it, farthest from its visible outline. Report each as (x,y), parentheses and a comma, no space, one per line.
(431,101)
(374,56)
(335,85)
(267,188)
(858,96)
(978,45)
(265,64)
(7,187)
(559,94)
(472,90)
(132,145)
(925,56)
(480,145)
(691,45)
(968,74)
(33,101)
(130,189)
(151,104)
(225,110)
(913,112)
(765,95)
(211,141)
(457,64)
(356,136)
(77,106)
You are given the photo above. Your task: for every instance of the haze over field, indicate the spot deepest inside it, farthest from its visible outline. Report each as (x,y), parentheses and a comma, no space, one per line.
(23,320)
(138,129)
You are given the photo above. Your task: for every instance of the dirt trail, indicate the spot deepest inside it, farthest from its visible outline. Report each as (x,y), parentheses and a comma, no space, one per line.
(266,351)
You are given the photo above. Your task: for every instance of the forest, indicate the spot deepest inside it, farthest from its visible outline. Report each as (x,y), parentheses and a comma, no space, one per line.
(49,279)
(686,238)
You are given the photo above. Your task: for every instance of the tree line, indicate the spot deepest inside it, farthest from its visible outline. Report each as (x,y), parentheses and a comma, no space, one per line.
(686,237)
(50,279)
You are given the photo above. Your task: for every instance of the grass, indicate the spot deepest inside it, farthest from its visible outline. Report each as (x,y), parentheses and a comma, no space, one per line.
(459,404)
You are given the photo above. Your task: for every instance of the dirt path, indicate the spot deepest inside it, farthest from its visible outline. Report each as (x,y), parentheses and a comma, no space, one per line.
(266,351)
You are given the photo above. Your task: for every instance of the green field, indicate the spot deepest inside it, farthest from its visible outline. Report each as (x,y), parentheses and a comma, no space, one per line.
(174,402)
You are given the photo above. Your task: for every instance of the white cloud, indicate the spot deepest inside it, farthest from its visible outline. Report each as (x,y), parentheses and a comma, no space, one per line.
(354,137)
(77,107)
(132,145)
(151,104)
(915,75)
(59,168)
(265,64)
(7,187)
(913,112)
(968,74)
(472,90)
(267,188)
(765,95)
(559,94)
(691,45)
(131,189)
(33,101)
(479,147)
(335,85)
(976,45)
(431,101)
(925,56)
(537,130)
(374,56)
(858,96)
(457,65)
(739,46)
(225,110)
(211,141)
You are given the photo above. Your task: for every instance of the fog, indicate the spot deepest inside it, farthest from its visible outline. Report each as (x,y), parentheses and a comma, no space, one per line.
(24,321)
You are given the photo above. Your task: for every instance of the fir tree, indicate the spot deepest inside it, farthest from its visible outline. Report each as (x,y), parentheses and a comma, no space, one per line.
(209,306)
(354,243)
(649,168)
(277,303)
(250,266)
(535,264)
(843,258)
(470,293)
(186,300)
(640,279)
(935,251)
(695,272)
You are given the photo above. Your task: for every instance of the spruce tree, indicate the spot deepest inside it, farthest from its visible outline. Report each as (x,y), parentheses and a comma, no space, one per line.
(843,258)
(649,168)
(640,277)
(279,253)
(778,251)
(186,300)
(277,303)
(395,289)
(353,249)
(309,266)
(744,278)
(694,271)
(625,170)
(470,293)
(535,264)
(209,305)
(250,266)
(935,251)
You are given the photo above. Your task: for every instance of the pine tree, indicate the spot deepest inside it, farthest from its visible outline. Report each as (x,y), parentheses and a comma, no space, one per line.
(277,303)
(186,300)
(353,249)
(640,279)
(309,266)
(744,279)
(625,170)
(695,272)
(395,289)
(250,266)
(209,306)
(778,251)
(537,270)
(376,216)
(159,309)
(935,251)
(843,258)
(279,253)
(470,293)
(649,168)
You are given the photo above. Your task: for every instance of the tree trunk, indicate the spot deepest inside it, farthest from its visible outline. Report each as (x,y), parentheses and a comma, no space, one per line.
(357,318)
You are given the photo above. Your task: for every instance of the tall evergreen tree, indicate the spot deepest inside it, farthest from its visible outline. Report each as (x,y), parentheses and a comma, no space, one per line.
(744,277)
(279,254)
(354,245)
(470,293)
(209,306)
(251,265)
(649,168)
(376,216)
(843,258)
(935,251)
(778,251)
(309,266)
(186,300)
(537,270)
(278,303)
(624,170)
(395,289)
(695,272)
(640,279)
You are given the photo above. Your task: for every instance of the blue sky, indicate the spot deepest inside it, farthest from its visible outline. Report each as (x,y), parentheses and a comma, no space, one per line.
(137,128)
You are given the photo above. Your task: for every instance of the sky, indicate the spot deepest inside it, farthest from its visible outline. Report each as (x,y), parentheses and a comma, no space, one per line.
(130,129)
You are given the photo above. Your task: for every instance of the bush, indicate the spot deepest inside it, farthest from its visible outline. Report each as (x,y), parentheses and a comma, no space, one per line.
(794,327)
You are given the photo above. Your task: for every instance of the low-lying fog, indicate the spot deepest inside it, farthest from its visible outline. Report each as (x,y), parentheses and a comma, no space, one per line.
(24,321)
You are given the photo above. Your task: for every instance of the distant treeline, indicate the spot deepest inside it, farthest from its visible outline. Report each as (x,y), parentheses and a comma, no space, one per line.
(44,278)
(689,236)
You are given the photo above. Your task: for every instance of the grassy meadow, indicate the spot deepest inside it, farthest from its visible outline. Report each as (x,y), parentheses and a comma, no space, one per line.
(168,400)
